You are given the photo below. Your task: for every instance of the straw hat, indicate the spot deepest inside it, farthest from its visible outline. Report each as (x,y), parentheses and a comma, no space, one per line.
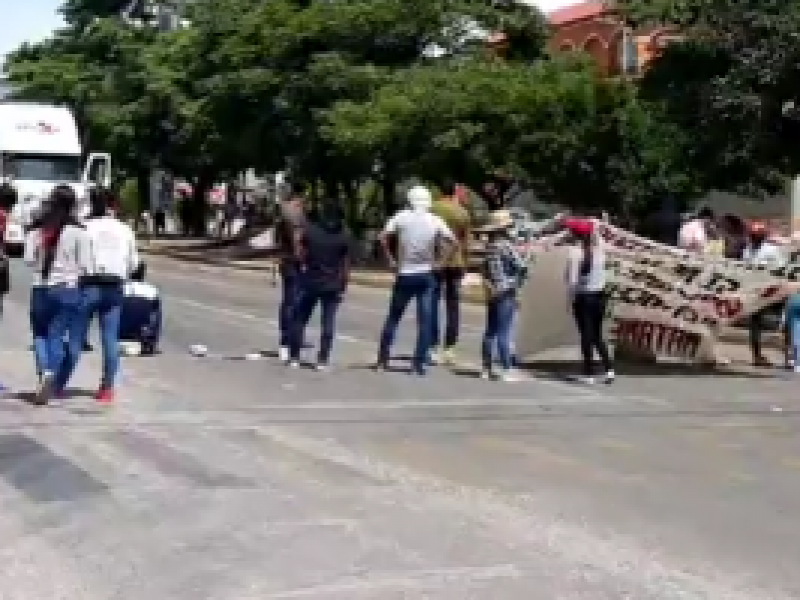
(498,221)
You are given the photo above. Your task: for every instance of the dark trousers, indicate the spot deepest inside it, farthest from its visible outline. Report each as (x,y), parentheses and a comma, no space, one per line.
(500,312)
(290,296)
(756,326)
(329,302)
(589,309)
(447,285)
(406,288)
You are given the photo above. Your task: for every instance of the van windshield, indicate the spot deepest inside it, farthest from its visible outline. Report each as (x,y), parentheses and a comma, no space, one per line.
(44,167)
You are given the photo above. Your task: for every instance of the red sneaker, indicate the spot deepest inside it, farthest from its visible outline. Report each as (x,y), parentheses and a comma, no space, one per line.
(105,396)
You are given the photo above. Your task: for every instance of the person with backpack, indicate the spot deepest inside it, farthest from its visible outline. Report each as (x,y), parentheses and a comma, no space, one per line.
(111,260)
(56,248)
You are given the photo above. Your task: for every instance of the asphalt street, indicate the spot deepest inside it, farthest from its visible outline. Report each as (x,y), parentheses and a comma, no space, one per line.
(223,478)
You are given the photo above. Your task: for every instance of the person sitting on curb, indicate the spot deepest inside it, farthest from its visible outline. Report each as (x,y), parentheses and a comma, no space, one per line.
(141,318)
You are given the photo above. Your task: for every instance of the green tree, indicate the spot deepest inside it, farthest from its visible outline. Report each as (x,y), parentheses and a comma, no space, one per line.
(732,82)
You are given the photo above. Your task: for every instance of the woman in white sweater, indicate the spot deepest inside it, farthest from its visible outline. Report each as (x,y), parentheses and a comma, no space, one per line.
(56,249)
(586,282)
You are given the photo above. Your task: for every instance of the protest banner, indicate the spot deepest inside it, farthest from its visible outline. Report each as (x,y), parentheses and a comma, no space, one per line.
(662,301)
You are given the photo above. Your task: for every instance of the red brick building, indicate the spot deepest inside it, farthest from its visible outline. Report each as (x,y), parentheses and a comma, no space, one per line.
(594,26)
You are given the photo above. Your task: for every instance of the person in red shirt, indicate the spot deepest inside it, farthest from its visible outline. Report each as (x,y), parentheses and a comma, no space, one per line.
(8,198)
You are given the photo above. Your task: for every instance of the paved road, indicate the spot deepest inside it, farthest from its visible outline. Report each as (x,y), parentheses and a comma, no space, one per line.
(229,479)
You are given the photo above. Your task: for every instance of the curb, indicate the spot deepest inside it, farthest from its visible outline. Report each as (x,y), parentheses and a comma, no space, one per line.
(470,296)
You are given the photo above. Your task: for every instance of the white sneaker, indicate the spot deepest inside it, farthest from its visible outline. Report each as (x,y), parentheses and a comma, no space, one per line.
(486,374)
(293,364)
(321,367)
(796,369)
(585,380)
(609,377)
(283,354)
(509,376)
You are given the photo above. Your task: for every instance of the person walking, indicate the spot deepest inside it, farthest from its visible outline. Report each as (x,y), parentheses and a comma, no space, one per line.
(586,282)
(288,234)
(504,272)
(449,275)
(56,247)
(8,198)
(324,262)
(420,237)
(111,261)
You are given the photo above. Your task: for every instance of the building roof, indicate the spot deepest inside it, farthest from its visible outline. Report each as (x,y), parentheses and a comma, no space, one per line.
(577,12)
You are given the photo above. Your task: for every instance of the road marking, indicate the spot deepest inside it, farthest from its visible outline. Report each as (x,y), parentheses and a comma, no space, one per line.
(534,529)
(243,316)
(791,462)
(421,580)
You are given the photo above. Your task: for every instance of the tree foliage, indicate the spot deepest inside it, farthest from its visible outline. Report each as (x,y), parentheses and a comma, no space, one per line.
(342,93)
(734,80)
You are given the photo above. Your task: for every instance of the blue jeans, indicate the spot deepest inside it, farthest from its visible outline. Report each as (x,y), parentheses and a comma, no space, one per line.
(56,313)
(290,296)
(406,288)
(140,321)
(500,312)
(309,298)
(105,301)
(448,285)
(793,325)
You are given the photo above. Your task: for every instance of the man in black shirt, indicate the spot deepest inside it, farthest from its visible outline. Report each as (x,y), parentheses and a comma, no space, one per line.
(324,264)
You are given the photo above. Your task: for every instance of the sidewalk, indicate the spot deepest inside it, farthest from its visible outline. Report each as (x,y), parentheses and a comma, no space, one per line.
(205,252)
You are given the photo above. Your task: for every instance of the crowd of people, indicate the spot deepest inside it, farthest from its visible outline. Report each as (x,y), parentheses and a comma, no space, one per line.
(427,246)
(84,268)
(90,267)
(754,242)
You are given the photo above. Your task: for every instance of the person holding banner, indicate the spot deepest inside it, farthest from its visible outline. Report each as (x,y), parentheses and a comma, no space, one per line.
(760,250)
(586,282)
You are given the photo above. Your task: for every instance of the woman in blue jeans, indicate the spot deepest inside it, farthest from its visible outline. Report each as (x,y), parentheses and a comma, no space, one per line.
(56,248)
(504,271)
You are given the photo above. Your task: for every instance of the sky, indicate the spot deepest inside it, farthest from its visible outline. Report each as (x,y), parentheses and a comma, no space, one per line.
(34,20)
(30,20)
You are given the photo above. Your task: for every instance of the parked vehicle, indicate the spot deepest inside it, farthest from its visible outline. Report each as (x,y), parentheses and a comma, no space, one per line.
(40,148)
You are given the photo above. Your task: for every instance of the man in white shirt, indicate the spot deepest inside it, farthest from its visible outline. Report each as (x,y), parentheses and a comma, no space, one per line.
(112,259)
(761,250)
(141,313)
(420,238)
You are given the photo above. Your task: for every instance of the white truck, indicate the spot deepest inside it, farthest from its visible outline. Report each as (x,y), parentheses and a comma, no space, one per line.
(40,148)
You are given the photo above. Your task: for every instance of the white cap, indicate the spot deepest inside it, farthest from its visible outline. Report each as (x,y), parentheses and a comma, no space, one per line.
(419,197)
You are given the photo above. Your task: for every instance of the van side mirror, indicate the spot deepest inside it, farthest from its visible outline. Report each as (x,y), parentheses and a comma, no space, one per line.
(98,170)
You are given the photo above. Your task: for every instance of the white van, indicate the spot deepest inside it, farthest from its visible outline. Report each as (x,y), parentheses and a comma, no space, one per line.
(39,149)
